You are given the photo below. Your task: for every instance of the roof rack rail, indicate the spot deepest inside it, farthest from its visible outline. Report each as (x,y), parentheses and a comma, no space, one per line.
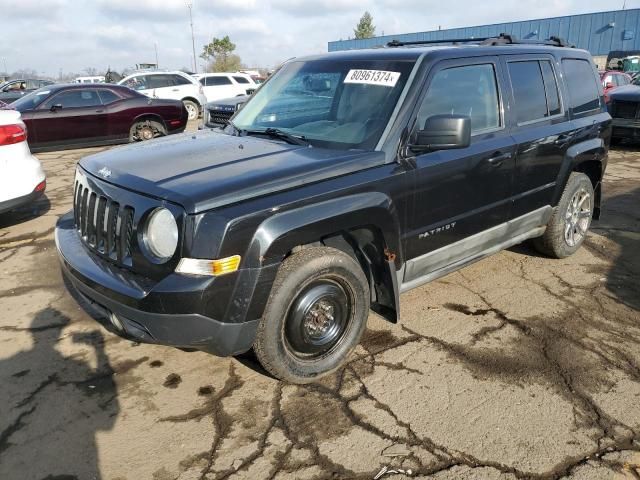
(502,39)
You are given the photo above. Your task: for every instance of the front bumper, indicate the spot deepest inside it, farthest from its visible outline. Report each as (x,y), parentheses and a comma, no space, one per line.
(138,303)
(625,128)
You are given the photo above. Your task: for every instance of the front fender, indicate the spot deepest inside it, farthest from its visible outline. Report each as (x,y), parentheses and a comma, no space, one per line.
(279,234)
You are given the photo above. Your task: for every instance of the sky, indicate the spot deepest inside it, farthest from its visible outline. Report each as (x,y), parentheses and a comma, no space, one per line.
(50,36)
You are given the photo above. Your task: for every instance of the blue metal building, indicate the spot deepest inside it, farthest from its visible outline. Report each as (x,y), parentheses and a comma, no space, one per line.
(600,33)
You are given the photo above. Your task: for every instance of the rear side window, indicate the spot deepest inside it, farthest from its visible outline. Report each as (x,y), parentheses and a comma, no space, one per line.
(241,80)
(551,88)
(582,86)
(216,81)
(107,96)
(535,90)
(179,80)
(470,90)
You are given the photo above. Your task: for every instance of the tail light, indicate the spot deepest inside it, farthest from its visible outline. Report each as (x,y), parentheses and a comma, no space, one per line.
(10,134)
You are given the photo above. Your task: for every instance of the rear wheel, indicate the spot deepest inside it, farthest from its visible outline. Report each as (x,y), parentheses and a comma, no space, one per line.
(192,109)
(146,130)
(315,315)
(570,220)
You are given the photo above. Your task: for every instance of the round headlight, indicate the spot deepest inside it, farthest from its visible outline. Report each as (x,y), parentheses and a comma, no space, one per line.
(161,234)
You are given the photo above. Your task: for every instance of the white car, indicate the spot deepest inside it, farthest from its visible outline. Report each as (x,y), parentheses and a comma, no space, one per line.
(171,86)
(22,179)
(217,86)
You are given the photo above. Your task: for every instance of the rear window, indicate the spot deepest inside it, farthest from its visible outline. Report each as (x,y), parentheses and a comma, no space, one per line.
(535,90)
(582,86)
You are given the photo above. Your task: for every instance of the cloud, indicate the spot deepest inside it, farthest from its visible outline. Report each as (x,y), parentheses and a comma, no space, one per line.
(48,35)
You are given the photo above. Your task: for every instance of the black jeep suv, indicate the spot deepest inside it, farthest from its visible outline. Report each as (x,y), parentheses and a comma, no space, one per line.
(282,231)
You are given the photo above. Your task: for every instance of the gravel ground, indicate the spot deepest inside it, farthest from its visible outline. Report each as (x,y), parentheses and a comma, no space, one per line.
(518,366)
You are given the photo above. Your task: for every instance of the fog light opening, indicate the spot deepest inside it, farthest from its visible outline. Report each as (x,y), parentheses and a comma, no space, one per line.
(116,322)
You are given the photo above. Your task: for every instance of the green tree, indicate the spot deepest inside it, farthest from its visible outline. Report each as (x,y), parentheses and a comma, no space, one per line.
(219,54)
(365,27)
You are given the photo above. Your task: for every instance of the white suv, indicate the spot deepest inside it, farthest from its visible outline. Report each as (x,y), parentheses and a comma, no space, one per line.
(217,86)
(171,86)
(22,179)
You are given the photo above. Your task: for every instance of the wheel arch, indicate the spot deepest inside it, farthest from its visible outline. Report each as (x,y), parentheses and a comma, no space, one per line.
(150,116)
(192,99)
(588,157)
(364,226)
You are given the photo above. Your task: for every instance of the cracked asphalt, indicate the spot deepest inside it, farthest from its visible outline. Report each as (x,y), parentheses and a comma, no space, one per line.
(518,366)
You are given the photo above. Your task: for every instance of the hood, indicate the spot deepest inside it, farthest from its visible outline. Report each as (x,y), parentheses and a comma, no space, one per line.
(626,93)
(209,169)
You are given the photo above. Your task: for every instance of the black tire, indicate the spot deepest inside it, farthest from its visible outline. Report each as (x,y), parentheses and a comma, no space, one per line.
(193,109)
(146,130)
(288,342)
(562,237)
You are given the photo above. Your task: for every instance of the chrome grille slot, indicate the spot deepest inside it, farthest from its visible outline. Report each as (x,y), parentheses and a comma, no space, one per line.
(104,225)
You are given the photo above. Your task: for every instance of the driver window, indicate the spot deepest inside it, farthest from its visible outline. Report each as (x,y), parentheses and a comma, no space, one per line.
(75,98)
(470,90)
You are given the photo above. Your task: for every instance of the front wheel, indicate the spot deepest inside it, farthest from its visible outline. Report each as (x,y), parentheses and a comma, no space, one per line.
(570,220)
(315,316)
(192,109)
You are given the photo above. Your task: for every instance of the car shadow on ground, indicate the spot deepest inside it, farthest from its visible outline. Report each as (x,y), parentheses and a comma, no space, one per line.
(620,223)
(61,400)
(25,213)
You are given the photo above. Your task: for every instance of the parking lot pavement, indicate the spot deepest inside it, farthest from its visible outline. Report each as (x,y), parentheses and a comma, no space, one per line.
(517,366)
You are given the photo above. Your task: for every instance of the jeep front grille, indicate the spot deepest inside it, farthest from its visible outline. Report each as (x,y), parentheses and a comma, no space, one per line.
(104,225)
(624,109)
(220,117)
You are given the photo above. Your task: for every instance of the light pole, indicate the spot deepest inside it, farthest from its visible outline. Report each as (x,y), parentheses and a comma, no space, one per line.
(155,45)
(193,40)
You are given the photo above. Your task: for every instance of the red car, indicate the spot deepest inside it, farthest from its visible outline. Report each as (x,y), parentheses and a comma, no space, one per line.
(612,79)
(88,115)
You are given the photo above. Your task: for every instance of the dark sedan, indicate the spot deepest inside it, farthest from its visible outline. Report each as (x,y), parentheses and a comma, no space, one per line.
(79,115)
(14,89)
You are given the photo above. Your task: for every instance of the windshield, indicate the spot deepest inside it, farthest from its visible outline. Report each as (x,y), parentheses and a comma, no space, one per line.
(332,104)
(31,100)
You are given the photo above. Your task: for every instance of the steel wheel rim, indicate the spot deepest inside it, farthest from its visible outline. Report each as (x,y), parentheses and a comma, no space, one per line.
(577,217)
(318,318)
(192,111)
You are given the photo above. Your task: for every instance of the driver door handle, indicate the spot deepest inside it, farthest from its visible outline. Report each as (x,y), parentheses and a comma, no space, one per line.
(498,159)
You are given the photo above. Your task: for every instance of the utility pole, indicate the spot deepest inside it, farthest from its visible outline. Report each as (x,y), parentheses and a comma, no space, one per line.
(193,40)
(155,45)
(4,61)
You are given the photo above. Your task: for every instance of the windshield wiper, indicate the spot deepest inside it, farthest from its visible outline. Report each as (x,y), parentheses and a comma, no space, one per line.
(279,134)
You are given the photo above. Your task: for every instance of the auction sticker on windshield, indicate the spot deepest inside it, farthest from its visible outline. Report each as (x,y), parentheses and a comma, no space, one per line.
(373,77)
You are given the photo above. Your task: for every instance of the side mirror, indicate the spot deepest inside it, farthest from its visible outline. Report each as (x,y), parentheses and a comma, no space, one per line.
(56,107)
(443,132)
(609,85)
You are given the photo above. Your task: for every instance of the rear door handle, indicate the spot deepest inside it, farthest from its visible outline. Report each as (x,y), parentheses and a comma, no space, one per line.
(175,90)
(499,159)
(99,111)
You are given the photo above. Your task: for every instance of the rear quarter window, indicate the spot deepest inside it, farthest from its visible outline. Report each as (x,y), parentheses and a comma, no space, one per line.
(584,96)
(241,80)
